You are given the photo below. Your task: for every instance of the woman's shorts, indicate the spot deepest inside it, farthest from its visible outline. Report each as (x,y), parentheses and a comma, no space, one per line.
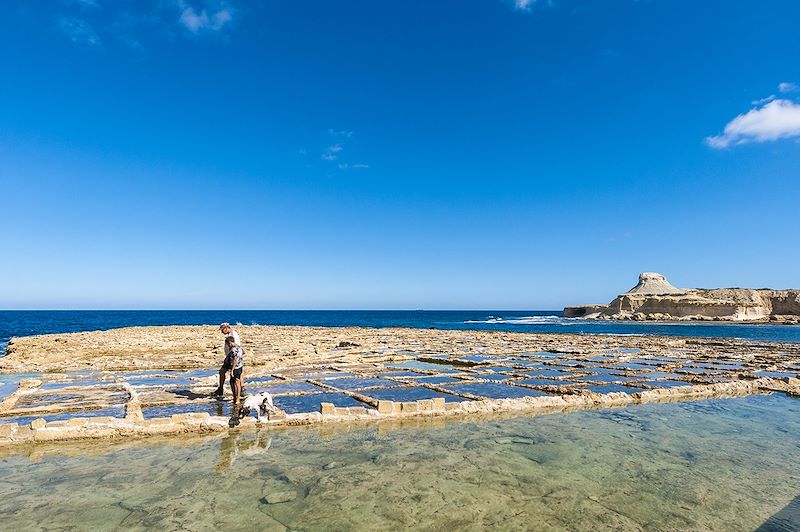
(237,373)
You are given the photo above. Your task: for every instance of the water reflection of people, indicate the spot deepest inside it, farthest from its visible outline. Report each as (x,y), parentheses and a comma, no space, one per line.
(232,445)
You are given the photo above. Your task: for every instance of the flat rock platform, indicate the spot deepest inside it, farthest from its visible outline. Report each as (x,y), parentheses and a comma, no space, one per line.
(145,381)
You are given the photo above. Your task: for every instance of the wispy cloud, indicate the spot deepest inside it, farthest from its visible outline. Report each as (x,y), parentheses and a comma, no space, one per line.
(202,19)
(524,5)
(338,140)
(340,134)
(331,152)
(762,101)
(79,31)
(96,22)
(774,120)
(788,87)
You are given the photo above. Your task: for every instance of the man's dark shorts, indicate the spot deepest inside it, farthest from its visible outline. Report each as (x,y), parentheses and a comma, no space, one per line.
(226,366)
(237,373)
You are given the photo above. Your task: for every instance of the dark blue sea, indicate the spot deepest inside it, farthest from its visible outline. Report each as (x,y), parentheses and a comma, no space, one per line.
(24,323)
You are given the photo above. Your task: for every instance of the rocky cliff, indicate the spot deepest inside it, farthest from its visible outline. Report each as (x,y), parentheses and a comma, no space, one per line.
(654,298)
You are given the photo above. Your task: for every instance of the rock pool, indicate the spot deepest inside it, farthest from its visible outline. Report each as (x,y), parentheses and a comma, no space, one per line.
(725,464)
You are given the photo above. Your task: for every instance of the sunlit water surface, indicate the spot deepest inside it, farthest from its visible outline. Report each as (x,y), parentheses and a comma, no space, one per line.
(720,465)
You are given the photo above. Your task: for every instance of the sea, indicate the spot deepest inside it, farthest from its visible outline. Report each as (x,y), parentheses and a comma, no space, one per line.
(30,322)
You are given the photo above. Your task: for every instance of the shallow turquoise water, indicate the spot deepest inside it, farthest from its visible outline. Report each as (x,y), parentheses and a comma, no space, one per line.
(711,465)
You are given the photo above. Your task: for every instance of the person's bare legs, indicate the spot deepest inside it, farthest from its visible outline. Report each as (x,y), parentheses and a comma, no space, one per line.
(236,388)
(221,388)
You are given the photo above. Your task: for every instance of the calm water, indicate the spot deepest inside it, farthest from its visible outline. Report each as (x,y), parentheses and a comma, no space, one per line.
(23,323)
(712,465)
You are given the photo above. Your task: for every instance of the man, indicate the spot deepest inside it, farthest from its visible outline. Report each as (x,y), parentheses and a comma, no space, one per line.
(226,331)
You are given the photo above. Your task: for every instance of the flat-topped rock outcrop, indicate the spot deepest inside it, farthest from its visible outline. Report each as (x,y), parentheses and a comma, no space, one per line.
(654,298)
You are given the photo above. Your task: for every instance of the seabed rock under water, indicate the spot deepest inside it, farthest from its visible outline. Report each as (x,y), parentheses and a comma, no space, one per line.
(380,375)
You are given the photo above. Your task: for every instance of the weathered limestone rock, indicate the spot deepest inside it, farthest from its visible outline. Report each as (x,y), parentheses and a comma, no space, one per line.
(654,298)
(385,407)
(408,407)
(425,405)
(327,409)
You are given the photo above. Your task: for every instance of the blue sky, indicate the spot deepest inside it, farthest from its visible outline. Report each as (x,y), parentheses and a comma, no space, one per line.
(415,154)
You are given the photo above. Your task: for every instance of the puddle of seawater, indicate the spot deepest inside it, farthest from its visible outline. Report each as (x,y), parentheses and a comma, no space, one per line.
(311,402)
(777,374)
(357,384)
(499,377)
(400,374)
(412,393)
(284,387)
(436,379)
(494,390)
(611,388)
(22,420)
(214,408)
(415,364)
(713,465)
(668,383)
(546,373)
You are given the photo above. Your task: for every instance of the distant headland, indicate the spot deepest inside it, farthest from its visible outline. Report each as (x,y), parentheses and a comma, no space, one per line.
(654,298)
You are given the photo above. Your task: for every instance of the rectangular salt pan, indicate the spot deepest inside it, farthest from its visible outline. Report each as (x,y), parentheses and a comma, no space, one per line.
(544,382)
(311,403)
(610,388)
(286,387)
(413,393)
(415,364)
(547,373)
(667,384)
(494,390)
(400,374)
(105,412)
(213,408)
(436,379)
(499,377)
(358,384)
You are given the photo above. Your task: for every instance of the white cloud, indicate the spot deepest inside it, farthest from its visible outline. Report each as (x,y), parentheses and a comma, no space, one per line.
(357,166)
(339,139)
(79,31)
(788,87)
(764,100)
(777,119)
(331,152)
(203,20)
(524,5)
(343,134)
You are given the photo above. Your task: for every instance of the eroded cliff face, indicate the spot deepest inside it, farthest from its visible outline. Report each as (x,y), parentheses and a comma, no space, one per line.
(655,299)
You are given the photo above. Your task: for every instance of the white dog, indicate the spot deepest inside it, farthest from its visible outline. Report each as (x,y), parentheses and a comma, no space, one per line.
(261,403)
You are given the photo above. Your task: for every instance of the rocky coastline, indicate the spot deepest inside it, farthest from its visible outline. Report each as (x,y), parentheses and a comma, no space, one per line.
(655,299)
(141,382)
